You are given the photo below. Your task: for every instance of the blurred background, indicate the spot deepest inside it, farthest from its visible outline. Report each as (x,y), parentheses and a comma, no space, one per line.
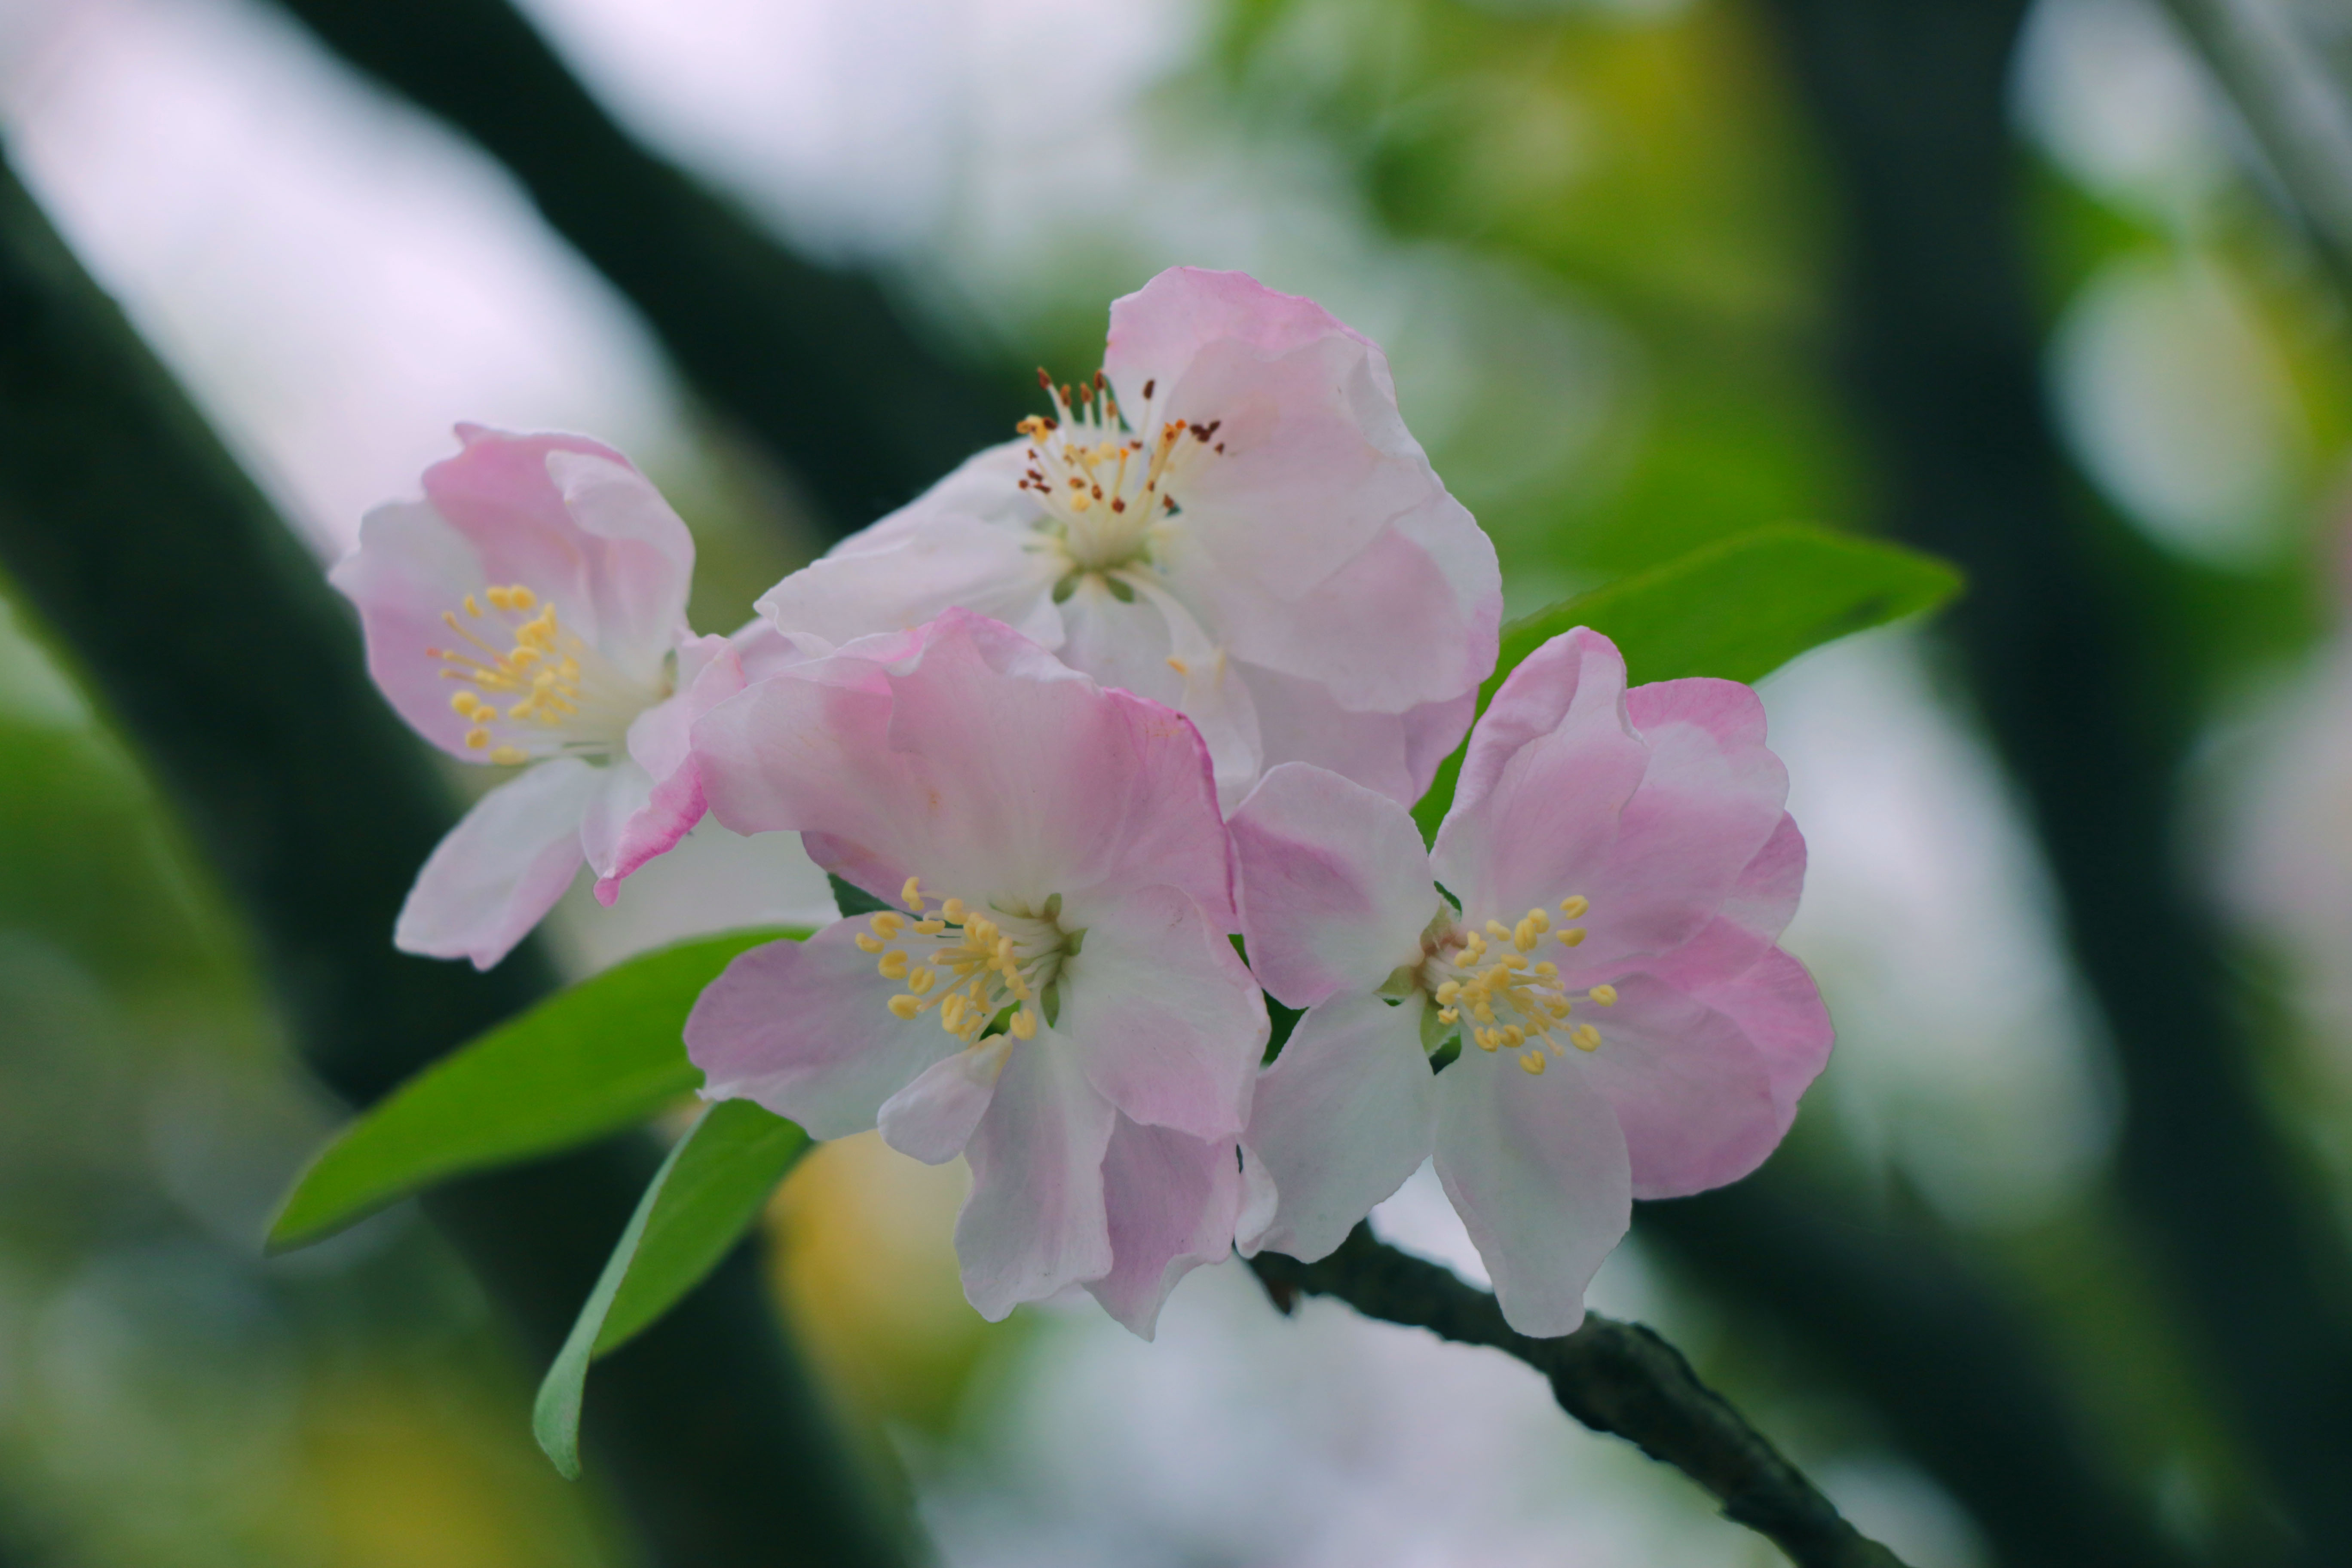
(2053,1268)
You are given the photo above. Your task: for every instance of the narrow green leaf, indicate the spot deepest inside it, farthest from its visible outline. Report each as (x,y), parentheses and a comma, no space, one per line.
(711,1199)
(604,1054)
(1738,609)
(706,1193)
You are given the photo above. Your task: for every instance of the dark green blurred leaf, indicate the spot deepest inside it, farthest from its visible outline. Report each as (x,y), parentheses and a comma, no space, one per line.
(1738,610)
(604,1054)
(706,1195)
(853,901)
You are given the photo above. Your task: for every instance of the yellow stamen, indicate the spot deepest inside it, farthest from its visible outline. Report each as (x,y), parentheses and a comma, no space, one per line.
(1604,995)
(911,895)
(509,756)
(1534,1062)
(921,981)
(888,924)
(1574,905)
(1024,1025)
(869,944)
(476,738)
(1572,936)
(894,964)
(1585,1037)
(906,1006)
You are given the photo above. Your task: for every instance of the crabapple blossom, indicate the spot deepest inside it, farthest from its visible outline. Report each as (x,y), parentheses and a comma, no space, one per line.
(1055,997)
(1230,519)
(1618,865)
(529,613)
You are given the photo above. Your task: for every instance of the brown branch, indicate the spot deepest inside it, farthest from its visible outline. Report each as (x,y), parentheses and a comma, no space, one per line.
(1618,1378)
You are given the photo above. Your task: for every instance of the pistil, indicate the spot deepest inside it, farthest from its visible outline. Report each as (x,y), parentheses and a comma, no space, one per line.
(971,968)
(1105,487)
(561,694)
(1514,1001)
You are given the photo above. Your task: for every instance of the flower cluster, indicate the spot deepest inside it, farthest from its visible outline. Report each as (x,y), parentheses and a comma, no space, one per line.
(1164,671)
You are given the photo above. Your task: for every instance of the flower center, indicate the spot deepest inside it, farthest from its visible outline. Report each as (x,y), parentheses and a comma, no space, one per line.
(560,695)
(1515,1001)
(1105,487)
(983,974)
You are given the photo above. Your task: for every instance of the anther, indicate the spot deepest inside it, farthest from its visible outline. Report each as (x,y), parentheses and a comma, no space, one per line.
(1585,1037)
(888,924)
(894,964)
(1534,1063)
(509,756)
(869,944)
(1574,905)
(911,895)
(1604,995)
(476,738)
(1572,936)
(1024,1025)
(906,1006)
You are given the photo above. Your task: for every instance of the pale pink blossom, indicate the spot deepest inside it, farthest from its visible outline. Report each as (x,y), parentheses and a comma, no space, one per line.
(1053,996)
(1230,519)
(529,613)
(1628,1026)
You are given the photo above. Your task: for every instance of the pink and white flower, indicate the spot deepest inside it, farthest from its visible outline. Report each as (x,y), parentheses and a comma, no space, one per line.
(1628,1026)
(1054,996)
(531,612)
(1230,519)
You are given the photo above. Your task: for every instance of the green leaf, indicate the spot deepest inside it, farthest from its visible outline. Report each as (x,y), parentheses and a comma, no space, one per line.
(706,1195)
(853,901)
(604,1054)
(1738,609)
(711,1199)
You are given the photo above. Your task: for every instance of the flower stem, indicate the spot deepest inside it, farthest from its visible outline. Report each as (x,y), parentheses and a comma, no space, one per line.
(1619,1378)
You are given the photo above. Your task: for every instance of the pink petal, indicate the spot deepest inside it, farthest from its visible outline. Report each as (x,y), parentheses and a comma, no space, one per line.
(641,555)
(1314,483)
(709,671)
(1035,1221)
(932,1118)
(1344,1115)
(975,761)
(1409,617)
(1317,457)
(624,793)
(1690,1087)
(410,567)
(1709,803)
(1764,900)
(914,574)
(806,1029)
(1167,1020)
(1776,1004)
(1334,884)
(1395,754)
(1537,1167)
(1169,1201)
(1550,765)
(619,571)
(502,868)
